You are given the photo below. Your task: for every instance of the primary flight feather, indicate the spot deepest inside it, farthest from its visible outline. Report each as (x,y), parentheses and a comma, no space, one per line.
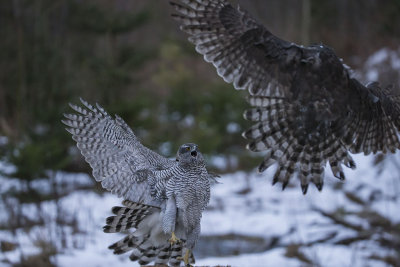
(307,108)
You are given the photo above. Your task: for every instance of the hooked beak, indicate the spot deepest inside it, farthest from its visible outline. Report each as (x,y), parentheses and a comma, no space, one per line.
(194,152)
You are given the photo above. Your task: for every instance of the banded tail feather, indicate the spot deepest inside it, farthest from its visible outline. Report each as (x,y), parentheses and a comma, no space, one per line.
(144,252)
(144,245)
(277,131)
(126,217)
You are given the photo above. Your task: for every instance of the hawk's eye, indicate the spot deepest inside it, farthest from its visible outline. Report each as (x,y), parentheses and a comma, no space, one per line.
(187,148)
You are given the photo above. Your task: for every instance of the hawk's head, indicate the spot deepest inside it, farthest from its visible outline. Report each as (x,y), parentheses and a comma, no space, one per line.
(188,154)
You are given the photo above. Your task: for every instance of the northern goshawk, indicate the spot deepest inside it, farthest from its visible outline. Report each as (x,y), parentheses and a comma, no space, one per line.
(163,198)
(308,108)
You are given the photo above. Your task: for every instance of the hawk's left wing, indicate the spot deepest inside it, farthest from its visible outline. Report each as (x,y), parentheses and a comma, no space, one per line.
(243,51)
(119,161)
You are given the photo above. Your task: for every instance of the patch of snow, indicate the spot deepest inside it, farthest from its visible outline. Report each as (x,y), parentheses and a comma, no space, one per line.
(165,148)
(219,162)
(3,140)
(385,63)
(6,168)
(233,127)
(188,121)
(245,204)
(272,258)
(378,57)
(372,75)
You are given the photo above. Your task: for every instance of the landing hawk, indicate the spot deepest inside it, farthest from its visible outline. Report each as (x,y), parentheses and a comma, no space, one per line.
(307,107)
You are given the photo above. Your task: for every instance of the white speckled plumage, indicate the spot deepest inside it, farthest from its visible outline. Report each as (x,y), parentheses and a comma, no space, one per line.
(161,195)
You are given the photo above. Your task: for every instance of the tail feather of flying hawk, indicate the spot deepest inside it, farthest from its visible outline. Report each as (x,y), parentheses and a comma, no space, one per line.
(143,246)
(126,217)
(276,133)
(307,107)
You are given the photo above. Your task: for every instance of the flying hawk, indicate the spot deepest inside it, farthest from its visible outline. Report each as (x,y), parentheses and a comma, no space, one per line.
(307,107)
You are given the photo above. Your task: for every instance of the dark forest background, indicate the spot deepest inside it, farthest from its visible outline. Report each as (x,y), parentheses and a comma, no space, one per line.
(130,57)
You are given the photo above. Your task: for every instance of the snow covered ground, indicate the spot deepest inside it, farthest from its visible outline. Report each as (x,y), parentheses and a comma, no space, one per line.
(244,204)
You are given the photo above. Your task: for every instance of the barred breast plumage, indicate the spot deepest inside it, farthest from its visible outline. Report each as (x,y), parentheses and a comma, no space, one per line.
(164,198)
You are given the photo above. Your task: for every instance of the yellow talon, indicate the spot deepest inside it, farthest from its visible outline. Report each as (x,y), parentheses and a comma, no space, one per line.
(173,239)
(185,258)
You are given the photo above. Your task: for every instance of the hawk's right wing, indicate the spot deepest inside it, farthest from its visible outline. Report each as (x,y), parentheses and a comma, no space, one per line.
(119,161)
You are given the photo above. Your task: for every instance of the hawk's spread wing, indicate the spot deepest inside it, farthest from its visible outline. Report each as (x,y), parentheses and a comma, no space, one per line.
(244,52)
(308,109)
(374,119)
(119,161)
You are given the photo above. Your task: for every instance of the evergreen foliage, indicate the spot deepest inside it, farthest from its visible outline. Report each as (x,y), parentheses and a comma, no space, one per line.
(125,57)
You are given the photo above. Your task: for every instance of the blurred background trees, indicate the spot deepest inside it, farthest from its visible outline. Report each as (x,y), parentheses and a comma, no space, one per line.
(130,57)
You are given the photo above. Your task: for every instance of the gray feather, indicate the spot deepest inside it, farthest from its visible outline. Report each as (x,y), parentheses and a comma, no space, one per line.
(150,184)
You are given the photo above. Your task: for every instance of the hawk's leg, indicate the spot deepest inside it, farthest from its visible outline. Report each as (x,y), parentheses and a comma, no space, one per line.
(186,258)
(169,219)
(173,238)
